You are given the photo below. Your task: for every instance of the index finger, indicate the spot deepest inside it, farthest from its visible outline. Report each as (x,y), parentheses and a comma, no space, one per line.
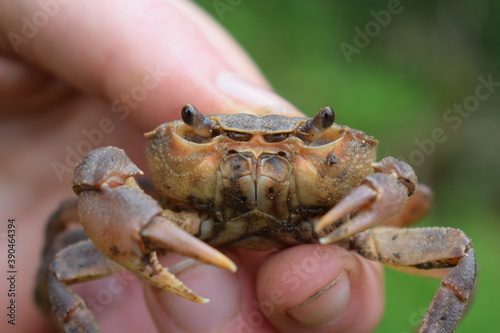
(147,58)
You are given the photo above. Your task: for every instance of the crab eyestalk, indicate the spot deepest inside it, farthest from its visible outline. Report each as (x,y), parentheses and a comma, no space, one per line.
(315,127)
(201,124)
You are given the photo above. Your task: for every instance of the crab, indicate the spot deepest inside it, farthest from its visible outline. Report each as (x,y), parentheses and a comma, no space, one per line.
(257,182)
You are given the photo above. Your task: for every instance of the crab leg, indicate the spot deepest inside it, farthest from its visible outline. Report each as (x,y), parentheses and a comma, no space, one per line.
(58,235)
(428,248)
(380,196)
(77,263)
(69,257)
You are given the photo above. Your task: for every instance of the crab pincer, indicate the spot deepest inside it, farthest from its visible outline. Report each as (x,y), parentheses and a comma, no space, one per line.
(381,196)
(124,229)
(129,226)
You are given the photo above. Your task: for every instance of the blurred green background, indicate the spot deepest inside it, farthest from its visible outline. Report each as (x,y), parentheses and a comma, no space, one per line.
(398,87)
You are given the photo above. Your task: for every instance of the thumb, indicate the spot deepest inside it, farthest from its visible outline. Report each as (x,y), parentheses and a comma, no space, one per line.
(148,58)
(320,288)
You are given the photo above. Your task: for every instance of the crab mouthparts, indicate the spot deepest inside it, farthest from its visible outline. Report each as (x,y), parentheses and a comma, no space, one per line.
(255,181)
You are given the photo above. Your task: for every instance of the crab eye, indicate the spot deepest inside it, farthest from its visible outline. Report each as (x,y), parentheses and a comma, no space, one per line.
(201,124)
(276,137)
(315,127)
(238,136)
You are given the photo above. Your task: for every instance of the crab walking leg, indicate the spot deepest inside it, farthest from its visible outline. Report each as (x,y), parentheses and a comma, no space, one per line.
(58,235)
(416,208)
(380,196)
(79,262)
(61,221)
(428,248)
(126,225)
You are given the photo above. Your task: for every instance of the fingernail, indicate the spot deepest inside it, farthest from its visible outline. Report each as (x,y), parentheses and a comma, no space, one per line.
(325,306)
(255,97)
(218,285)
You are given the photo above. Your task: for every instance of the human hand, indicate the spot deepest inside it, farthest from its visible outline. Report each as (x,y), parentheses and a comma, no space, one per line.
(134,64)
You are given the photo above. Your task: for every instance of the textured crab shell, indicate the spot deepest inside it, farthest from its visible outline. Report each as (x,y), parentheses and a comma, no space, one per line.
(190,171)
(254,124)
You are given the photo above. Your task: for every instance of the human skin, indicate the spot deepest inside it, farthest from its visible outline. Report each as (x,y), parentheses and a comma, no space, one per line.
(87,63)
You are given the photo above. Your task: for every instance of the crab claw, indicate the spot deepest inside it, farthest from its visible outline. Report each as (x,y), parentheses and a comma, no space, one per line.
(379,197)
(127,225)
(161,234)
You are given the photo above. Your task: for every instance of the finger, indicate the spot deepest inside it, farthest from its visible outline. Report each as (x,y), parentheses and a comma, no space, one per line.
(114,298)
(148,58)
(232,308)
(18,81)
(318,288)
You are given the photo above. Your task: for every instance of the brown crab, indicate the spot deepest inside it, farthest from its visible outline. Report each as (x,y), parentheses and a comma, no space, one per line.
(256,182)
